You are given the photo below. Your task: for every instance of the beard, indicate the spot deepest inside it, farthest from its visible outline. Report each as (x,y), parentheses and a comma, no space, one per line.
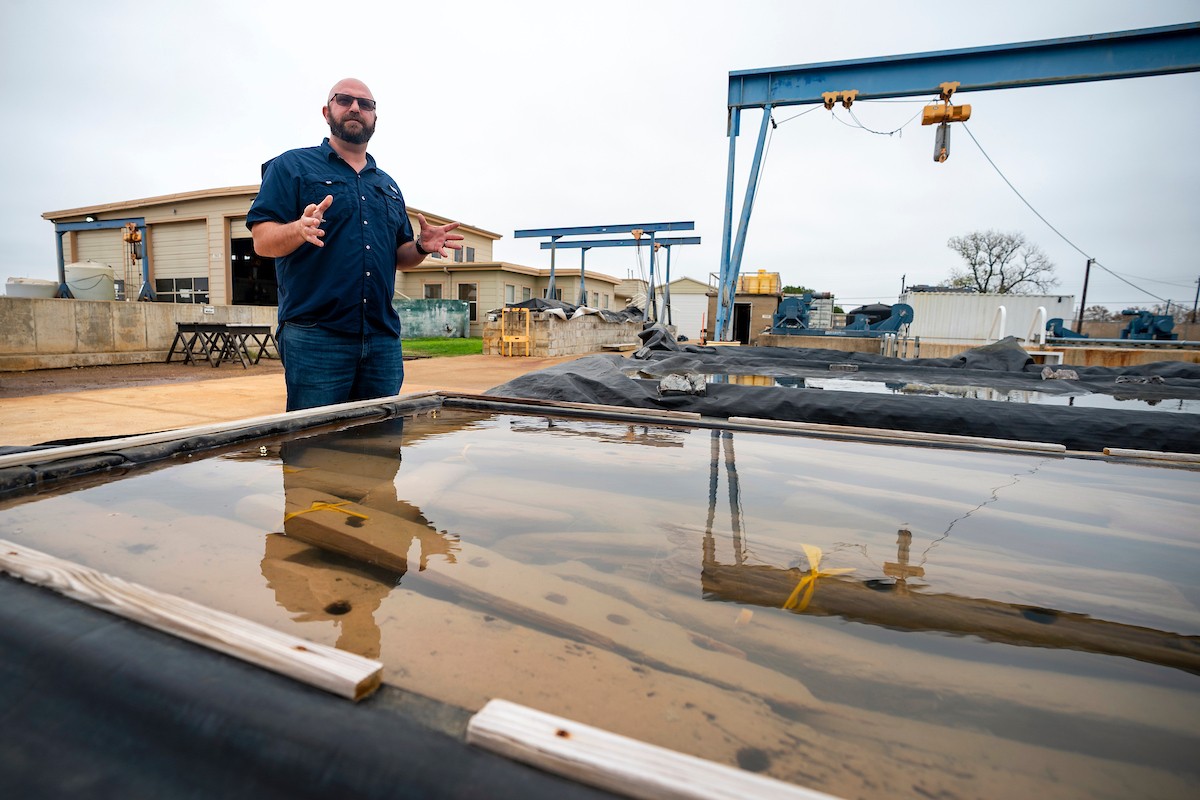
(361,136)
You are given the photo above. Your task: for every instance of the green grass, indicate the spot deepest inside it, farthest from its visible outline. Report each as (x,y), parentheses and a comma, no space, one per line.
(433,348)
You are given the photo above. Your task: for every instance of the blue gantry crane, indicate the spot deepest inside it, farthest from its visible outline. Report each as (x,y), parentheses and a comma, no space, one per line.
(1099,57)
(640,229)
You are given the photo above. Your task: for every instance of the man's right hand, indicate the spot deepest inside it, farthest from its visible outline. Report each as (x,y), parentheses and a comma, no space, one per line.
(310,221)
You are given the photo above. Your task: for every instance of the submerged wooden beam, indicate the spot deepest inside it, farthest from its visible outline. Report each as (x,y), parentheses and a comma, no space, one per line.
(318,665)
(614,762)
(768,586)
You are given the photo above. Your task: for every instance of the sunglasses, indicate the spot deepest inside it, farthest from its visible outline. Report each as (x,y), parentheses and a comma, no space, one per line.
(347,100)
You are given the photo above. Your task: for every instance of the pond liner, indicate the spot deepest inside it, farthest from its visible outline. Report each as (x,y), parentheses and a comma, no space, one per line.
(613,380)
(39,465)
(98,706)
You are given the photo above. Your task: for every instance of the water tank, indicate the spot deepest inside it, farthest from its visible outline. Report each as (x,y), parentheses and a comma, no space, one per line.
(31,287)
(88,280)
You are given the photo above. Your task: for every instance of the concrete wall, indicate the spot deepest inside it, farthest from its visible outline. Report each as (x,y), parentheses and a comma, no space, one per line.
(433,319)
(550,335)
(56,333)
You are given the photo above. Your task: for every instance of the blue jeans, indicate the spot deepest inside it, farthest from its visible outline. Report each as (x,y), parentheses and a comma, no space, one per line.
(323,368)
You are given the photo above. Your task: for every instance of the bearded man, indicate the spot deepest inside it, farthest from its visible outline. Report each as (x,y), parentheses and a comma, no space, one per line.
(338,229)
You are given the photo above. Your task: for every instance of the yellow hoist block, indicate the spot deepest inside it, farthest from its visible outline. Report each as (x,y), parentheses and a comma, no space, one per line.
(937,114)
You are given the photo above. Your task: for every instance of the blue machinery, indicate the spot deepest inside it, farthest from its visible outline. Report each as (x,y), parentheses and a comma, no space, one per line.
(637,231)
(1058,329)
(1148,325)
(793,319)
(1106,56)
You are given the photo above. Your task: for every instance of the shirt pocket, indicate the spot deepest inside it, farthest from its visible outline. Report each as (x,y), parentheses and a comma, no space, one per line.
(395,213)
(317,188)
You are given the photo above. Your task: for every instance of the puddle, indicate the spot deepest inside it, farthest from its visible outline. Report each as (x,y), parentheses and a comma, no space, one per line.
(863,619)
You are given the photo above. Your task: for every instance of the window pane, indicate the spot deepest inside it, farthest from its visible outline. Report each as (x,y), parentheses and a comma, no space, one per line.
(433,291)
(467,292)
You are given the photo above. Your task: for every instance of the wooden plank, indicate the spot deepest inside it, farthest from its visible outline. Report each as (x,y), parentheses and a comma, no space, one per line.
(614,762)
(900,436)
(538,406)
(417,400)
(1153,455)
(317,665)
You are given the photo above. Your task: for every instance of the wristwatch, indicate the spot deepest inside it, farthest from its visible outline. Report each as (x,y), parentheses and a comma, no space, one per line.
(420,249)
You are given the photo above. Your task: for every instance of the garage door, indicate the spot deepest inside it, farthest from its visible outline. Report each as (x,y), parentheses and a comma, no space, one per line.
(103,247)
(180,249)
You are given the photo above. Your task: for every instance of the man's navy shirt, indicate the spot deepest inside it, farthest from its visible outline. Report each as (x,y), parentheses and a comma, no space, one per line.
(347,285)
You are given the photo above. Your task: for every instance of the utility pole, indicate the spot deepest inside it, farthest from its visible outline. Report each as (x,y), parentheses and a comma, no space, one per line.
(1087,271)
(1195,301)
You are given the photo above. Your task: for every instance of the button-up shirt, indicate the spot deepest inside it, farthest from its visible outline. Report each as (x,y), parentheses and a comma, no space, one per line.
(347,285)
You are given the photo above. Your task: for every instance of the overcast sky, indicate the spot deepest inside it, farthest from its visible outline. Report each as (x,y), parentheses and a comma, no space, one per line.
(512,115)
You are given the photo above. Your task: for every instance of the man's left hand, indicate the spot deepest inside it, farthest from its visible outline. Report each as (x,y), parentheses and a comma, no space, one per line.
(436,238)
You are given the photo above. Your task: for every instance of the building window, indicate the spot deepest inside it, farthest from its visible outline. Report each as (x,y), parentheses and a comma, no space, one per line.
(526,293)
(470,253)
(595,299)
(557,293)
(458,256)
(604,300)
(469,293)
(433,291)
(510,293)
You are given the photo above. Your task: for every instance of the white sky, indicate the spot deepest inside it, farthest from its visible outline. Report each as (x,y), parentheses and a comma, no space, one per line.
(512,115)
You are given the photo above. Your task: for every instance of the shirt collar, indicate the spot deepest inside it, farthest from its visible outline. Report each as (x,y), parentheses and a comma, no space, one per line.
(330,153)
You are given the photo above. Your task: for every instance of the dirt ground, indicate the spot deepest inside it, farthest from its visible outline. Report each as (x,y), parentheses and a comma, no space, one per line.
(114,376)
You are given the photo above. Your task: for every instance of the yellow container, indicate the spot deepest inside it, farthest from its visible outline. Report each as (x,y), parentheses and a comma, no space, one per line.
(762,283)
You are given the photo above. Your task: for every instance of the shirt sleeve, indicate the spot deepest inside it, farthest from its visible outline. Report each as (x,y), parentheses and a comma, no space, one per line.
(276,200)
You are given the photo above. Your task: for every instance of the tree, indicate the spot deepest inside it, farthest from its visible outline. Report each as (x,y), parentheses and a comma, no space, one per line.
(798,290)
(1098,314)
(1001,263)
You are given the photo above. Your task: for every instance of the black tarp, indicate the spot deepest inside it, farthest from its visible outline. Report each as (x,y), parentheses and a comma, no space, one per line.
(95,706)
(611,379)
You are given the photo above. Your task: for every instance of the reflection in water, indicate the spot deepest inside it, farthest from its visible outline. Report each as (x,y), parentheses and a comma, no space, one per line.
(319,588)
(340,499)
(892,605)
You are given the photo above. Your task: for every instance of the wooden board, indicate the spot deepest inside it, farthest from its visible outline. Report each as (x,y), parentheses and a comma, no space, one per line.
(616,763)
(324,667)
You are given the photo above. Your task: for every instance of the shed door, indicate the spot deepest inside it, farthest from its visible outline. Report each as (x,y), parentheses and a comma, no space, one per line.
(179,261)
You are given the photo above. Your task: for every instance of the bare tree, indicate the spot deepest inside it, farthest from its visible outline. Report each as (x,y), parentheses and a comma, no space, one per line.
(1098,314)
(1001,263)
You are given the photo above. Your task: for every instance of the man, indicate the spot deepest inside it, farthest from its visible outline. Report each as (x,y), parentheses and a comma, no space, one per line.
(338,229)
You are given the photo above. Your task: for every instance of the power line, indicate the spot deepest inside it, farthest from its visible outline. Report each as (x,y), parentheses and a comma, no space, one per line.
(1047,222)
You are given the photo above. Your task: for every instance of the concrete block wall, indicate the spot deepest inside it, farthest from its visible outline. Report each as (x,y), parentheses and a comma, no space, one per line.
(552,336)
(41,333)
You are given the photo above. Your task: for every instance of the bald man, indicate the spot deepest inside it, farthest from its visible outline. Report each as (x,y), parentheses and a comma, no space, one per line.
(338,229)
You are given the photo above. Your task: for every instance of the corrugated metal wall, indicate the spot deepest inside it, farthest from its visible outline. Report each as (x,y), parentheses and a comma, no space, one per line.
(179,249)
(957,317)
(103,247)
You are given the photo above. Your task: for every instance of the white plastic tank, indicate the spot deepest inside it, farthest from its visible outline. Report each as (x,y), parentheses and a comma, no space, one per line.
(31,287)
(89,280)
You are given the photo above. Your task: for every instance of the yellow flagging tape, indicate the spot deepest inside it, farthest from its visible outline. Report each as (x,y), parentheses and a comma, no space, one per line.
(808,584)
(318,505)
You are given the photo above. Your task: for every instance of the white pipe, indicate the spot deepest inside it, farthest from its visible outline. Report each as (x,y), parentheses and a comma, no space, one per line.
(1001,316)
(1039,319)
